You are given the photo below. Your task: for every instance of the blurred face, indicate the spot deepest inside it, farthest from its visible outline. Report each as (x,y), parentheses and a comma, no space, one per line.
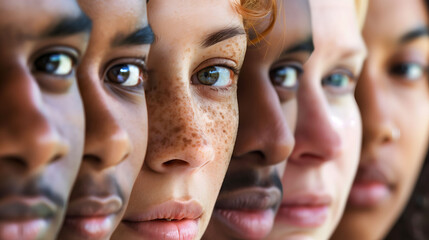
(192,109)
(322,165)
(42,118)
(252,190)
(393,95)
(111,77)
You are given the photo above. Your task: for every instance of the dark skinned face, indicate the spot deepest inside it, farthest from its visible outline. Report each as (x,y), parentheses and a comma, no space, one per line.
(252,190)
(42,118)
(112,78)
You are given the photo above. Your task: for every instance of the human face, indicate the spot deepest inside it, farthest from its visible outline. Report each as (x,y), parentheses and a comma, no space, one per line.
(42,118)
(192,109)
(252,190)
(111,77)
(393,95)
(322,165)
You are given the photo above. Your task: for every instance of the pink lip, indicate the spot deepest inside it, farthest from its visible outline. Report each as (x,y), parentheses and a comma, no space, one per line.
(173,220)
(305,211)
(368,194)
(23,230)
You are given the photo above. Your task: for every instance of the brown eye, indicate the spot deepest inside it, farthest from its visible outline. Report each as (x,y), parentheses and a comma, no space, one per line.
(125,74)
(409,71)
(60,64)
(215,76)
(286,77)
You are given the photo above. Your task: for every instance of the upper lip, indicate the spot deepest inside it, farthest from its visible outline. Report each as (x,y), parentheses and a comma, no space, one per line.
(26,208)
(253,198)
(309,199)
(94,206)
(171,210)
(371,173)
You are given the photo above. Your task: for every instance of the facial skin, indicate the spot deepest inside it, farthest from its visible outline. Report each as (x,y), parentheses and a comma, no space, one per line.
(42,118)
(393,95)
(252,190)
(112,77)
(322,165)
(192,125)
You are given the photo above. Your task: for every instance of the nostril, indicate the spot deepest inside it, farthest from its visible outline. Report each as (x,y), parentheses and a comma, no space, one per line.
(14,161)
(175,163)
(57,158)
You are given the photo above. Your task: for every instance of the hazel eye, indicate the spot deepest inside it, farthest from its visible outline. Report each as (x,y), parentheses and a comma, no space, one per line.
(59,64)
(409,71)
(129,75)
(338,80)
(286,77)
(215,76)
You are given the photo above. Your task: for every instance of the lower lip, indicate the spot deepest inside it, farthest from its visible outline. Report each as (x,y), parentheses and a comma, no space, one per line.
(303,216)
(167,230)
(23,230)
(91,227)
(368,194)
(255,224)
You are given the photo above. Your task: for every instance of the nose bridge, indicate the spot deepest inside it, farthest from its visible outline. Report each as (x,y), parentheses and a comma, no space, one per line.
(263,126)
(178,137)
(27,136)
(107,143)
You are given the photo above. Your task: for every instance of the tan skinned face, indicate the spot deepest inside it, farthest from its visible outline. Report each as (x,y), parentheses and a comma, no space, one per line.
(321,167)
(266,93)
(112,78)
(41,115)
(192,126)
(393,95)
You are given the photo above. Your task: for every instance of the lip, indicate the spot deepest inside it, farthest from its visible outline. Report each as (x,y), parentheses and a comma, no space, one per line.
(248,212)
(370,188)
(305,211)
(25,218)
(172,220)
(93,217)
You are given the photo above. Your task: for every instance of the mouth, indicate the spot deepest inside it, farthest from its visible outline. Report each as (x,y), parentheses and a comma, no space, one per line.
(172,220)
(305,211)
(93,217)
(248,212)
(25,218)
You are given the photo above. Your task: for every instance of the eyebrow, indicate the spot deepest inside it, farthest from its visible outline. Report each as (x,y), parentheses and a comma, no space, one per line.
(304,46)
(222,35)
(69,26)
(414,34)
(141,36)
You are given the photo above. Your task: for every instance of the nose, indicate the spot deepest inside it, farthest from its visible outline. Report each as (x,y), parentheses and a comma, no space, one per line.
(316,139)
(263,127)
(178,135)
(29,138)
(107,142)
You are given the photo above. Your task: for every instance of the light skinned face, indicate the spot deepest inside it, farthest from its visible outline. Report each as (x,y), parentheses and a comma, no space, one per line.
(322,165)
(393,95)
(42,118)
(252,190)
(193,118)
(111,77)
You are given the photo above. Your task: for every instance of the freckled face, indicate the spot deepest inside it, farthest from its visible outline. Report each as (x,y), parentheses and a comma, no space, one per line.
(193,116)
(321,167)
(111,78)
(393,95)
(42,118)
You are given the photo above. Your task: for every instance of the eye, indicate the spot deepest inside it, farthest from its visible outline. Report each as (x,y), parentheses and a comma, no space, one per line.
(59,64)
(216,76)
(410,71)
(129,75)
(286,76)
(340,82)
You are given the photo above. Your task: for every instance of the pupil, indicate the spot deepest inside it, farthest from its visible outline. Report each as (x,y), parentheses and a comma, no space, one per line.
(48,63)
(121,73)
(208,76)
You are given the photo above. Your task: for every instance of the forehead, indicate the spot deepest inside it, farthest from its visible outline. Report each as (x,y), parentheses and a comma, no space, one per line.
(186,21)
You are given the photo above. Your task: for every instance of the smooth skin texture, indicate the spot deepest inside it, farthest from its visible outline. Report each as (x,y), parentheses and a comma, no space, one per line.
(322,165)
(42,118)
(112,78)
(393,95)
(252,191)
(193,118)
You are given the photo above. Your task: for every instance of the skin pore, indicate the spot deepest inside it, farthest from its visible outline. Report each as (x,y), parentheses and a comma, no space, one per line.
(112,77)
(266,93)
(42,118)
(393,96)
(322,165)
(193,114)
